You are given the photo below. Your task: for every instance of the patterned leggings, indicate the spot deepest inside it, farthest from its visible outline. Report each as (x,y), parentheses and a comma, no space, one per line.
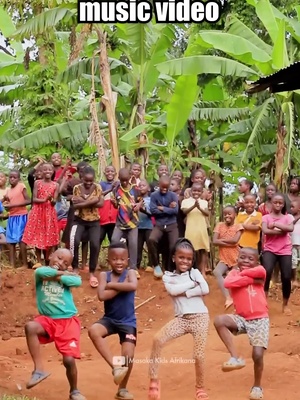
(195,324)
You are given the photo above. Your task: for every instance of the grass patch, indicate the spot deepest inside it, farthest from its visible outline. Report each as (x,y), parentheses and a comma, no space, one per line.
(12,397)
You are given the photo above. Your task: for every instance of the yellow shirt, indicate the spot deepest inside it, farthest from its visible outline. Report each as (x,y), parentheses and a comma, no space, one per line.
(249,238)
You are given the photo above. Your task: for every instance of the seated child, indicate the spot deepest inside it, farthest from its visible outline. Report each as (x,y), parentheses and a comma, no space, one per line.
(57,321)
(247,291)
(117,290)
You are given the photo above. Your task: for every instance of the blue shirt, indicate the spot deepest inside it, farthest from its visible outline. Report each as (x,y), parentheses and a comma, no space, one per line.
(120,309)
(169,215)
(145,219)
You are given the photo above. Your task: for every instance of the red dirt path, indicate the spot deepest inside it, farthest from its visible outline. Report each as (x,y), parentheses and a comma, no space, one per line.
(17,305)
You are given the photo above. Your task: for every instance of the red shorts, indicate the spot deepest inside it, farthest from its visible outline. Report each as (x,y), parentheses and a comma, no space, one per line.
(62,223)
(65,333)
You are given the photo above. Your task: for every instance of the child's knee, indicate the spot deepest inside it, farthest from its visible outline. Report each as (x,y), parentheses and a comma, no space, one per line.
(69,362)
(219,321)
(258,355)
(31,328)
(94,332)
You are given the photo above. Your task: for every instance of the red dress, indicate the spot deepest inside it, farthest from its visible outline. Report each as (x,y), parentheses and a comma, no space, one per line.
(42,228)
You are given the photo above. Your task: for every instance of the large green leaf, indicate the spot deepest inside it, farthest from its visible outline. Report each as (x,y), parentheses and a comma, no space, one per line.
(204,64)
(209,164)
(236,46)
(77,131)
(265,13)
(7,26)
(133,133)
(47,19)
(217,114)
(179,108)
(280,56)
(237,28)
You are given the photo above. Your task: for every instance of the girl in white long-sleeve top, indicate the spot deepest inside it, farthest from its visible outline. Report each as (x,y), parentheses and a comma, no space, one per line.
(187,287)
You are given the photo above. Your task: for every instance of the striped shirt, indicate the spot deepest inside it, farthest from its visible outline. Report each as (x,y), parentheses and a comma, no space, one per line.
(126,199)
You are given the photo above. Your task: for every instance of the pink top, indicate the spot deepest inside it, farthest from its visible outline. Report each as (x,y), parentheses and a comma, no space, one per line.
(278,244)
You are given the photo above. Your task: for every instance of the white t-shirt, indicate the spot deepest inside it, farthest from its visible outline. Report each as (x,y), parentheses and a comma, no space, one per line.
(296,234)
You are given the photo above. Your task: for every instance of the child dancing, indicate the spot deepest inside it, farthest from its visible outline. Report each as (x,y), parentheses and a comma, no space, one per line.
(57,321)
(247,291)
(186,286)
(117,289)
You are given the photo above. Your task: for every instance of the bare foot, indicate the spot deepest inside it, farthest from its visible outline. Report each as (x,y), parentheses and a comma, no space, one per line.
(286,311)
(154,390)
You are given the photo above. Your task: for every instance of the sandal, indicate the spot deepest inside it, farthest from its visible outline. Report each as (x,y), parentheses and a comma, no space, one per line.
(124,394)
(233,364)
(36,378)
(157,272)
(37,265)
(76,395)
(256,393)
(119,374)
(201,395)
(94,282)
(154,390)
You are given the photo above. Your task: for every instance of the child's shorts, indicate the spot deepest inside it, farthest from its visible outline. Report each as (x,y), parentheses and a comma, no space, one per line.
(15,228)
(65,333)
(126,333)
(256,329)
(295,257)
(62,223)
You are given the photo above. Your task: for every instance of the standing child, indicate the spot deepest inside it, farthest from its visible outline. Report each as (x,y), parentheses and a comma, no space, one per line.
(135,171)
(277,227)
(87,198)
(35,173)
(251,221)
(295,210)
(186,286)
(266,207)
(108,213)
(162,170)
(226,236)
(145,223)
(246,286)
(57,321)
(15,201)
(196,210)
(175,187)
(244,187)
(41,230)
(128,204)
(117,290)
(164,207)
(3,187)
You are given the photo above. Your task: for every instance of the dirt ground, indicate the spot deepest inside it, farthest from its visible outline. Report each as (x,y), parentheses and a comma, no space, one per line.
(17,305)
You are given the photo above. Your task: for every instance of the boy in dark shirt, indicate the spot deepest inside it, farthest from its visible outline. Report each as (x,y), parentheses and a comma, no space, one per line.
(117,289)
(164,207)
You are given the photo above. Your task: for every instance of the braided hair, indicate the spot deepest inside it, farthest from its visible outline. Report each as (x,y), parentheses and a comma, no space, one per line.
(183,243)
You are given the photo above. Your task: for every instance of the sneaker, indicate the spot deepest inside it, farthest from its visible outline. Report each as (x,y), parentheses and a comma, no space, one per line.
(158,273)
(256,393)
(233,364)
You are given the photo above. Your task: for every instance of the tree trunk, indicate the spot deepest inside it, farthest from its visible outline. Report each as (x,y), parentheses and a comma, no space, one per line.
(109,99)
(142,153)
(280,154)
(77,43)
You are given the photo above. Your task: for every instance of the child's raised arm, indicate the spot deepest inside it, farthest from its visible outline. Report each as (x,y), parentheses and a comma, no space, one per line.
(187,210)
(129,285)
(201,289)
(51,274)
(235,280)
(103,293)
(257,272)
(177,289)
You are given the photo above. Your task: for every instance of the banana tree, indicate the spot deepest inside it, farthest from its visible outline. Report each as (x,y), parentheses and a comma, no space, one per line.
(273,118)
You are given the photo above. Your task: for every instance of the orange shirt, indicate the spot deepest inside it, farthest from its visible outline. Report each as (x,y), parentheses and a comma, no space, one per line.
(16,196)
(249,238)
(228,255)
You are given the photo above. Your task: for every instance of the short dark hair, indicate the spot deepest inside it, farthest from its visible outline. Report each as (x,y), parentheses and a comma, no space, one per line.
(15,171)
(118,245)
(88,171)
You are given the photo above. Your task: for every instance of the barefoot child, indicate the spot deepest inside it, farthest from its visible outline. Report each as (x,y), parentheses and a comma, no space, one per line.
(295,210)
(15,201)
(251,221)
(57,321)
(247,291)
(117,290)
(277,227)
(186,286)
(226,236)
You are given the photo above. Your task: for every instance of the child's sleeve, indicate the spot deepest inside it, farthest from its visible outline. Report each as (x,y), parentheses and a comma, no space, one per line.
(1,208)
(71,281)
(217,228)
(255,273)
(99,191)
(201,289)
(45,272)
(153,205)
(176,289)
(235,280)
(185,204)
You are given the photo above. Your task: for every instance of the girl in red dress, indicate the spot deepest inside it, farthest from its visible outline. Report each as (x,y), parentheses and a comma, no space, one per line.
(266,207)
(42,230)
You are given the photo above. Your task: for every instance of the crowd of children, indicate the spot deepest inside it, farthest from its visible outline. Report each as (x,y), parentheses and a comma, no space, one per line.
(172,219)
